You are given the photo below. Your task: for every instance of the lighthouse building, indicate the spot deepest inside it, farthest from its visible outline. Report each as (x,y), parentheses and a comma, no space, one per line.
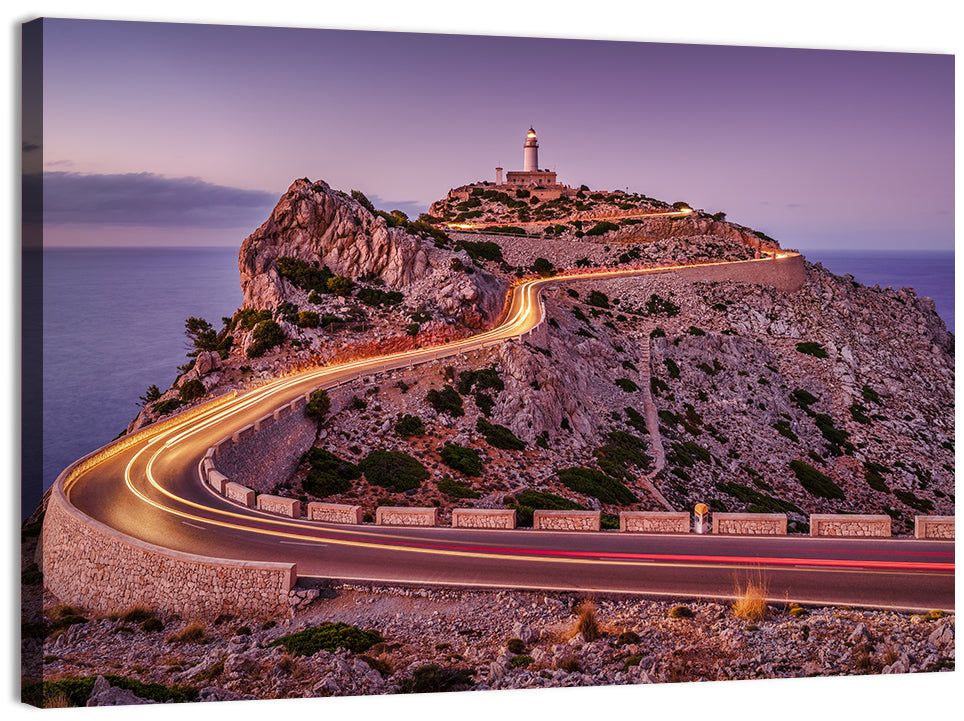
(530,175)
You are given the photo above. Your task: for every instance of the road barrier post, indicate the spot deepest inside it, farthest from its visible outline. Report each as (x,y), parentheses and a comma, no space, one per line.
(702,518)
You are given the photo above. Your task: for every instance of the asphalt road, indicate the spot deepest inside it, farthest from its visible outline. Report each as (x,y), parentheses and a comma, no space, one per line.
(153,492)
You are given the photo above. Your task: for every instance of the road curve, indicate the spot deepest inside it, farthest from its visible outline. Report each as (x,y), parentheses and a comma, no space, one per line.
(152,491)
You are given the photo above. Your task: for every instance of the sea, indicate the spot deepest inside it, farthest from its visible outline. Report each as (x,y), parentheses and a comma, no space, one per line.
(113,324)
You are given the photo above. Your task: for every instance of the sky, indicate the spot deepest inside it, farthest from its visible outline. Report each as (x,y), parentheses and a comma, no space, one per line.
(180,134)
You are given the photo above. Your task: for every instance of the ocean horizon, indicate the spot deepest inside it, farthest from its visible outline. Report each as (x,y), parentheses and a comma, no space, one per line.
(114,324)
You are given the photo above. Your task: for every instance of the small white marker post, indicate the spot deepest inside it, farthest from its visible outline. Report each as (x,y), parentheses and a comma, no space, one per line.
(702,518)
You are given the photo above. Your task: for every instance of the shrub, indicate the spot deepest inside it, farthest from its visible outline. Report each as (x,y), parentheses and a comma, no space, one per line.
(759,502)
(328,474)
(520,661)
(908,498)
(543,267)
(451,487)
(393,469)
(412,329)
(681,612)
(482,250)
(515,645)
(622,450)
(812,348)
(499,436)
(481,379)
(191,390)
(165,407)
(330,637)
(815,482)
(461,459)
(340,285)
(693,330)
(75,692)
(602,228)
(626,384)
(873,475)
(446,400)
(409,425)
(313,278)
(307,319)
(377,297)
(319,403)
(267,334)
(672,368)
(597,484)
(152,625)
(433,678)
(627,638)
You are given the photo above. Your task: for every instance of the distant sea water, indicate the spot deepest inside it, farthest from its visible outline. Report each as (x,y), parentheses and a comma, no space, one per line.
(114,324)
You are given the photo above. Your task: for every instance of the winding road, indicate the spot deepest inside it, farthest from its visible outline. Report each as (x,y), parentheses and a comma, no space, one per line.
(152,491)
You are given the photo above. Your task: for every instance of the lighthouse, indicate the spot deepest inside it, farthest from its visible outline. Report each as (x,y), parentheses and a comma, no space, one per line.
(530,150)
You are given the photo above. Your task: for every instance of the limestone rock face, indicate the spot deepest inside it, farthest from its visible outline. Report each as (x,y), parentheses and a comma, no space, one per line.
(314,223)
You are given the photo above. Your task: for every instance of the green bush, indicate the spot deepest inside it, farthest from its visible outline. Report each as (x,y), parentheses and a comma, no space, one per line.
(661,306)
(908,498)
(307,319)
(815,482)
(319,403)
(299,273)
(481,379)
(543,267)
(451,487)
(461,459)
(77,690)
(377,297)
(267,334)
(409,425)
(681,612)
(482,250)
(499,436)
(191,390)
(812,348)
(597,484)
(758,502)
(330,637)
(393,469)
(446,400)
(328,474)
(520,661)
(165,407)
(412,329)
(672,368)
(626,384)
(623,449)
(340,285)
(602,228)
(873,475)
(433,678)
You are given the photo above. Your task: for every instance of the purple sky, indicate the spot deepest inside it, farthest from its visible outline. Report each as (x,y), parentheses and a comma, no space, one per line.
(172,134)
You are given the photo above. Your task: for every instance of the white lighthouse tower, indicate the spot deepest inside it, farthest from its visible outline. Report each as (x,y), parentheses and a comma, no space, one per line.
(530,163)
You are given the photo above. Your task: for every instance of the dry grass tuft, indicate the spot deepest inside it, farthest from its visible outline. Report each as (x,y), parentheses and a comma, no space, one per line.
(58,699)
(587,624)
(751,601)
(192,633)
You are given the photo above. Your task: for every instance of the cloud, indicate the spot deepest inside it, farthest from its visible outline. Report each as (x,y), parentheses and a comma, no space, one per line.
(144,199)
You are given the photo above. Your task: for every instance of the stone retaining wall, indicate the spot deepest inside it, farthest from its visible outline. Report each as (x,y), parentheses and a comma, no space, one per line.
(406,516)
(100,570)
(654,521)
(750,524)
(840,524)
(289,507)
(483,518)
(936,527)
(266,452)
(566,520)
(787,274)
(334,513)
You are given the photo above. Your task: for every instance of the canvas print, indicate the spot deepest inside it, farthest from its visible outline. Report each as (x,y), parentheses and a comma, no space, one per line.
(363,363)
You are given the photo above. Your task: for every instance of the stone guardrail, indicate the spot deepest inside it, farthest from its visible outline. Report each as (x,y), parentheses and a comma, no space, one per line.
(750,524)
(654,522)
(934,527)
(566,520)
(334,513)
(483,518)
(406,516)
(845,524)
